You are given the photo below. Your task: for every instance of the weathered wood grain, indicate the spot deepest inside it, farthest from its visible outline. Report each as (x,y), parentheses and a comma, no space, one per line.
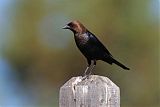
(97,91)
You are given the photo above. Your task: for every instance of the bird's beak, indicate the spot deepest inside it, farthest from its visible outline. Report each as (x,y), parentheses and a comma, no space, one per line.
(66,27)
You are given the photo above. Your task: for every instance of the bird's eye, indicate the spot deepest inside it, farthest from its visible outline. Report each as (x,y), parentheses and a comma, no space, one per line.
(70,24)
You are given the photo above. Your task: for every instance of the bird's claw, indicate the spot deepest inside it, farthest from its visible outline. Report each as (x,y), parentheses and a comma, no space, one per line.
(85,77)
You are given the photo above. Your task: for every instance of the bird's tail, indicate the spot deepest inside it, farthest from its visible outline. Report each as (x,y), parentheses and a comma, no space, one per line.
(119,64)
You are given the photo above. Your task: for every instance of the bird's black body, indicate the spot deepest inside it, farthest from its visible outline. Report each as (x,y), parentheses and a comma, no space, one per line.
(93,49)
(90,46)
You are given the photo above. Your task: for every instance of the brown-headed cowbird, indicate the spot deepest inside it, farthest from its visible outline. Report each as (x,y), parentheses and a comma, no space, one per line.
(90,46)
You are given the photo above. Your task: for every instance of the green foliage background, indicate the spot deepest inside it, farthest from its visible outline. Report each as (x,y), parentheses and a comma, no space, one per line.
(44,56)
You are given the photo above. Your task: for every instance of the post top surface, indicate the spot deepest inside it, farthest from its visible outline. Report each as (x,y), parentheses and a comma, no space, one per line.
(92,80)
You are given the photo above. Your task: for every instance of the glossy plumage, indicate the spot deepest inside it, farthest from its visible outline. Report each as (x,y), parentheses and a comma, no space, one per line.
(90,46)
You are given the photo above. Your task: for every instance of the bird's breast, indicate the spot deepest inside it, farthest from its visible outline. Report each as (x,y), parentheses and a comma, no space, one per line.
(81,39)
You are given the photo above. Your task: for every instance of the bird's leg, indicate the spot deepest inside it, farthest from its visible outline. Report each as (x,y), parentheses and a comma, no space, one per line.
(85,72)
(89,64)
(94,64)
(90,71)
(86,75)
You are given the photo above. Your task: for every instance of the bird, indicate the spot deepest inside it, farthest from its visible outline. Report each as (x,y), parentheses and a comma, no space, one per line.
(91,47)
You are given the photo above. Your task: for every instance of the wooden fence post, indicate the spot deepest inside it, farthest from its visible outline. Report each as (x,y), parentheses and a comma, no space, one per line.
(97,91)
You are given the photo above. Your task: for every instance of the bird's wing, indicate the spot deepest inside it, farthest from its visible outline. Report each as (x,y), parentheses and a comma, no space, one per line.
(95,41)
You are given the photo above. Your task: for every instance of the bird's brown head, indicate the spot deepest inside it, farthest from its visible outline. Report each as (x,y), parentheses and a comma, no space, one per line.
(75,27)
